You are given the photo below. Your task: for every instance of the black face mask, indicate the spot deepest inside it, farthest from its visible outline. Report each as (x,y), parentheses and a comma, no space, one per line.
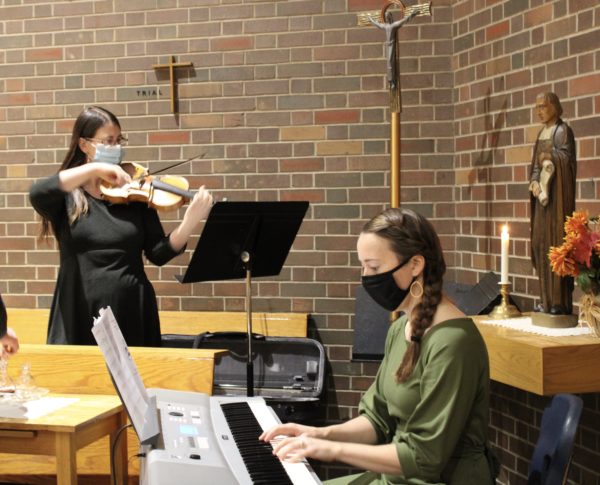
(384,290)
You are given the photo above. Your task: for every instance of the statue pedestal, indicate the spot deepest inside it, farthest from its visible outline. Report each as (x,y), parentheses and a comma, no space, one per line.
(554,321)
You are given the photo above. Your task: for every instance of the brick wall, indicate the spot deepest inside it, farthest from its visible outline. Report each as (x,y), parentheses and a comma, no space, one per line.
(505,53)
(287,99)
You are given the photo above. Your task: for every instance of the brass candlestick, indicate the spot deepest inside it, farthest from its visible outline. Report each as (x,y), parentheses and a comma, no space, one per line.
(504,310)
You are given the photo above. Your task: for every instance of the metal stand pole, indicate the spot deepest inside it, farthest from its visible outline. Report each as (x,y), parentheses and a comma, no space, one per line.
(249,363)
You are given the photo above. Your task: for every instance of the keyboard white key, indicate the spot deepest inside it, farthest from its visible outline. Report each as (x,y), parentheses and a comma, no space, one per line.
(300,473)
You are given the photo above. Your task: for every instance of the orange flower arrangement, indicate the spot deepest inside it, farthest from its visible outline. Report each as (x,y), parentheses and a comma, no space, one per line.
(579,256)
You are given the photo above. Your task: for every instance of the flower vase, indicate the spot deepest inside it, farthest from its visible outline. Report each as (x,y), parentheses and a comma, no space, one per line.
(590,311)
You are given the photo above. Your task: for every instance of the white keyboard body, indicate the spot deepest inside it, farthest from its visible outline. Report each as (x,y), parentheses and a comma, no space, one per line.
(197,445)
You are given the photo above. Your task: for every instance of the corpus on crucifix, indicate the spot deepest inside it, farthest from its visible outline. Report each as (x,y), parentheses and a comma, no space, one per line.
(390,27)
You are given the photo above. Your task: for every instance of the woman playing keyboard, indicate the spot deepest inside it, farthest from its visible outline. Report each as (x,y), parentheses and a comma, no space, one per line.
(424,419)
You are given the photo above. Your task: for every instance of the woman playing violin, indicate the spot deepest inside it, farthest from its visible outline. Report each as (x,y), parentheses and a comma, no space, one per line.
(101,244)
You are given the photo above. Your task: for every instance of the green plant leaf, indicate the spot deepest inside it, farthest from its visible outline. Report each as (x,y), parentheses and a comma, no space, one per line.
(584,281)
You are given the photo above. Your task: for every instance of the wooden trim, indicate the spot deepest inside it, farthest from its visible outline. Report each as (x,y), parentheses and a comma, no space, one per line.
(31,324)
(81,369)
(269,324)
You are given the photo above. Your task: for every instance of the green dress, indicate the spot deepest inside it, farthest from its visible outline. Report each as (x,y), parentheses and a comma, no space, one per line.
(438,418)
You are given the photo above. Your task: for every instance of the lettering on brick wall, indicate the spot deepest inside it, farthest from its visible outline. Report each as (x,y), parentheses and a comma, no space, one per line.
(148,92)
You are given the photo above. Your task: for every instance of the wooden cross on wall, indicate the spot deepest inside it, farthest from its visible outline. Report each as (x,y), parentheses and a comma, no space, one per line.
(171,66)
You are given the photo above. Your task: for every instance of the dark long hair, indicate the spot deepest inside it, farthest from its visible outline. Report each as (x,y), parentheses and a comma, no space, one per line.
(410,234)
(89,121)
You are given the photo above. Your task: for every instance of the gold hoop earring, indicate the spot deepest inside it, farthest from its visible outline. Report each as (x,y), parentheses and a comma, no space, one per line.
(419,288)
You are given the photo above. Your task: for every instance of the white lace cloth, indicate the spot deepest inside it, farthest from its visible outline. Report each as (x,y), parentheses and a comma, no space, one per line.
(524,324)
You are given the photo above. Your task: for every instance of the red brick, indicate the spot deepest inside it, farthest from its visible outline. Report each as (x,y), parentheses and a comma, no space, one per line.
(578,5)
(232,43)
(498,30)
(363,5)
(40,55)
(18,99)
(337,116)
(587,169)
(538,15)
(313,196)
(302,165)
(561,27)
(166,137)
(327,53)
(586,42)
(584,85)
(465,143)
(519,78)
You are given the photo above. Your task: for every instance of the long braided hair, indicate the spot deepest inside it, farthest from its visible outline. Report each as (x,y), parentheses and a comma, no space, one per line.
(410,234)
(87,124)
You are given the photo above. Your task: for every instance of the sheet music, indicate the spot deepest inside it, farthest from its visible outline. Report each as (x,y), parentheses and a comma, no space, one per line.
(122,367)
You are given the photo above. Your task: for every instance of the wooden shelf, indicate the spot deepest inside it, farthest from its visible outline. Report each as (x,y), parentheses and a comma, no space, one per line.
(539,364)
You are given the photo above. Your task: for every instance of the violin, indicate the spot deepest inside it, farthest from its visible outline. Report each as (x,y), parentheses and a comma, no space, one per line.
(163,193)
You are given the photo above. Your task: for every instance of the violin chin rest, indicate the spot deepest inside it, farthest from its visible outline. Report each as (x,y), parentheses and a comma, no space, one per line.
(135,170)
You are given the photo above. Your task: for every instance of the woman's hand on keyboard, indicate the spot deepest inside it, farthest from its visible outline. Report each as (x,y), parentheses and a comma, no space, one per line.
(289,429)
(298,448)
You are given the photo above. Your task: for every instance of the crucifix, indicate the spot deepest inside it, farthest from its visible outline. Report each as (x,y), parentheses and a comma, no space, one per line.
(171,66)
(385,21)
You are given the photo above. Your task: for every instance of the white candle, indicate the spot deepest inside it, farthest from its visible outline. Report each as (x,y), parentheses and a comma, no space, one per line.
(504,255)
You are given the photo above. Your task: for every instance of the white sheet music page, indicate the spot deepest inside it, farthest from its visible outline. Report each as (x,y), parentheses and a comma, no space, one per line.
(121,365)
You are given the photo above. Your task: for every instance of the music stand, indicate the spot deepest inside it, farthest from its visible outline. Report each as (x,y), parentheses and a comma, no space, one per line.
(245,239)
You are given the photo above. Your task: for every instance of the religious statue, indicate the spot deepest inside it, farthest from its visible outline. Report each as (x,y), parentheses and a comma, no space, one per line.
(552,188)
(391,28)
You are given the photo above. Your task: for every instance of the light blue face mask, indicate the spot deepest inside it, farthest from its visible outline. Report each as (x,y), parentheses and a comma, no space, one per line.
(108,154)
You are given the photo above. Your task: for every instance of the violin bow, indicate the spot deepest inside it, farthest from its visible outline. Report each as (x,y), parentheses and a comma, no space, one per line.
(141,177)
(177,164)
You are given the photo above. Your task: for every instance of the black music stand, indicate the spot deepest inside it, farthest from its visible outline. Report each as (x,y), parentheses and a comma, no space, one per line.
(245,239)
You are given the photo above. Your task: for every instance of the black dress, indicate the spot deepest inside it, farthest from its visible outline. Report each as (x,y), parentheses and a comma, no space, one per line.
(101,265)
(3,318)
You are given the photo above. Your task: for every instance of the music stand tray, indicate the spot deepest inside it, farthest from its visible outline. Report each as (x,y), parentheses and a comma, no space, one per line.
(242,240)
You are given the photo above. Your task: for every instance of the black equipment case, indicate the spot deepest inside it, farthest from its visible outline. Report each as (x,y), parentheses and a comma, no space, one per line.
(289,372)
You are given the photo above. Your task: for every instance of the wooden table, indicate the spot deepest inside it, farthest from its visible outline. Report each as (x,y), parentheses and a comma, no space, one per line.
(81,369)
(540,364)
(62,432)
